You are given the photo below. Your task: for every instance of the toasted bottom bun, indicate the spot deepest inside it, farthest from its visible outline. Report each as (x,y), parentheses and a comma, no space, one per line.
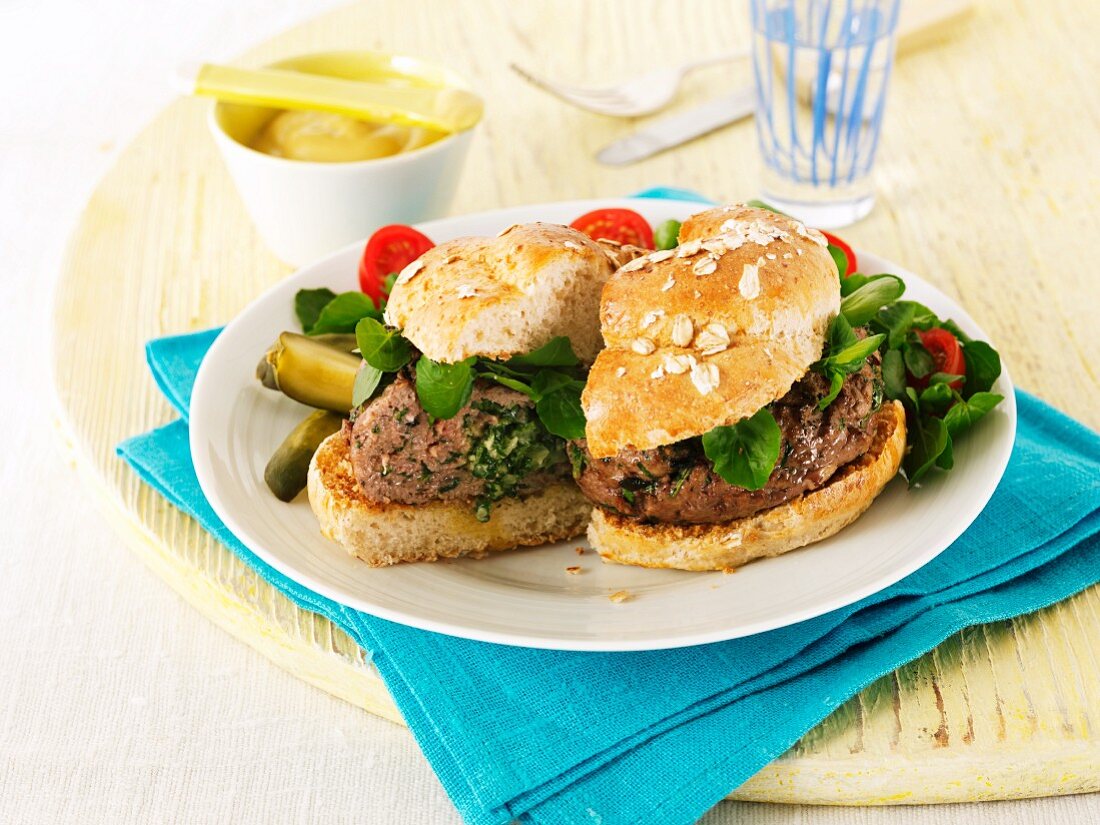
(810,517)
(384,534)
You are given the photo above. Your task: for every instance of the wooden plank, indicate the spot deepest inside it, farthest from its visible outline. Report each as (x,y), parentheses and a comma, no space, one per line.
(987,185)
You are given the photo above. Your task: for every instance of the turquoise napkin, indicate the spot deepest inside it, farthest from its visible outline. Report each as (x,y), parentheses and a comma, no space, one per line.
(550,736)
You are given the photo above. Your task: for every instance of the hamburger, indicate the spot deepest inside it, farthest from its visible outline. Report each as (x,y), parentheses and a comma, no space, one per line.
(728,417)
(472,389)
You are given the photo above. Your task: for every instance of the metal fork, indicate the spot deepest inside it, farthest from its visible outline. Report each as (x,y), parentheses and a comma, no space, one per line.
(640,96)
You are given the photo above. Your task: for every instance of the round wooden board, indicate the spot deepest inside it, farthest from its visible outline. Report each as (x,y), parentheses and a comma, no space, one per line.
(999,711)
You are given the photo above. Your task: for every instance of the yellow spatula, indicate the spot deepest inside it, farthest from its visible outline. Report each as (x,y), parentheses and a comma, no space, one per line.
(445,108)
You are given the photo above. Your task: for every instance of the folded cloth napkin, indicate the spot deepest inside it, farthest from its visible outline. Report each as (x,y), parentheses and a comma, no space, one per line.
(661,736)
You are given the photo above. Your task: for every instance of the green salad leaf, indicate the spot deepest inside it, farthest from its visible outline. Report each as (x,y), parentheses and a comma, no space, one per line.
(381,347)
(444,389)
(836,384)
(840,259)
(367,381)
(895,320)
(936,398)
(744,454)
(983,366)
(893,374)
(560,410)
(667,234)
(343,312)
(855,280)
(308,304)
(845,354)
(759,204)
(550,377)
(850,359)
(939,406)
(505,377)
(917,359)
(550,381)
(558,352)
(965,412)
(860,306)
(951,327)
(928,440)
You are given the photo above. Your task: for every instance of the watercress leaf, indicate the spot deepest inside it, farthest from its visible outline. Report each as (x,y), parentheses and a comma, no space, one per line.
(840,259)
(501,369)
(954,329)
(911,394)
(840,335)
(508,381)
(917,359)
(963,415)
(558,352)
(548,381)
(745,453)
(936,398)
(382,347)
(444,389)
(836,382)
(851,358)
(759,204)
(944,378)
(860,306)
(983,402)
(308,304)
(893,374)
(928,439)
(387,285)
(667,234)
(853,282)
(923,317)
(895,320)
(343,312)
(857,280)
(366,382)
(946,459)
(983,366)
(561,413)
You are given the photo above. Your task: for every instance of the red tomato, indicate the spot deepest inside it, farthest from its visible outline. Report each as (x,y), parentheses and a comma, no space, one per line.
(622,225)
(947,355)
(847,250)
(389,250)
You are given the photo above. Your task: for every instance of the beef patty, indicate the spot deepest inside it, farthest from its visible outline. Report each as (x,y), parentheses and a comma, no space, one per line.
(494,447)
(676,483)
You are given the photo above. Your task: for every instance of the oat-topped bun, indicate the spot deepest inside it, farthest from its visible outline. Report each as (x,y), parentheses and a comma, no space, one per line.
(503,296)
(706,334)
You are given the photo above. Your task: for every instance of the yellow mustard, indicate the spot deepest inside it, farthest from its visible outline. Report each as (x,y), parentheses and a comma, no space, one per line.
(330,138)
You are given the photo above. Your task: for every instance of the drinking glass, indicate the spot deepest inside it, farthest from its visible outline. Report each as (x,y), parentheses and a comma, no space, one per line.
(821,70)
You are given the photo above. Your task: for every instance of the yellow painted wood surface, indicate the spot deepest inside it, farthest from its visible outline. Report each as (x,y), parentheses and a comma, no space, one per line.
(988,184)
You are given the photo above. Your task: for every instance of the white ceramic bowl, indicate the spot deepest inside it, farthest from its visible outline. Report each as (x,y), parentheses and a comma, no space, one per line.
(304,210)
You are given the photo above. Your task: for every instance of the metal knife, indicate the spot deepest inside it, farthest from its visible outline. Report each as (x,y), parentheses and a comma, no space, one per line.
(680,128)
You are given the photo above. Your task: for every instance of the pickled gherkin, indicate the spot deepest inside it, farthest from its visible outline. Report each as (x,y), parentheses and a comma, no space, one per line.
(312,371)
(288,469)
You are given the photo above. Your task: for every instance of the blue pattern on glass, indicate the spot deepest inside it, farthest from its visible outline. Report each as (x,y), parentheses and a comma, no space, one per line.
(821,70)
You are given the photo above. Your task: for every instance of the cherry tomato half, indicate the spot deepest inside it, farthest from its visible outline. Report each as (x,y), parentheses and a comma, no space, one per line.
(389,250)
(947,354)
(843,247)
(622,225)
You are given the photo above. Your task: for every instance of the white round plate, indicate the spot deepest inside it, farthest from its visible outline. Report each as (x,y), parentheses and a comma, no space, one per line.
(526,597)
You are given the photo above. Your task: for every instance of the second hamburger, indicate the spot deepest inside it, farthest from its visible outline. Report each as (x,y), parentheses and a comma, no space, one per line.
(734,413)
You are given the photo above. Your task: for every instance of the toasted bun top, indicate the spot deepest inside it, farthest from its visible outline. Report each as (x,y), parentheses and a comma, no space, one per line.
(707,334)
(503,296)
